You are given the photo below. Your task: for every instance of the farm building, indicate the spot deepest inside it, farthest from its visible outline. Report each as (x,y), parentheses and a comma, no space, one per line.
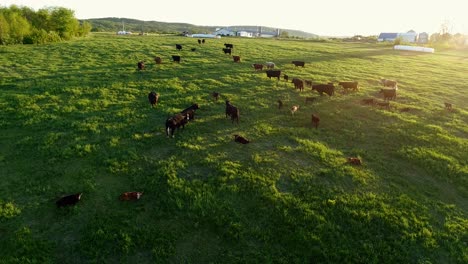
(410,36)
(423,37)
(224,32)
(387,37)
(246,34)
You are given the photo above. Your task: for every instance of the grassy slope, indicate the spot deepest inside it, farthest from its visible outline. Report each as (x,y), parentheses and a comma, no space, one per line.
(75,118)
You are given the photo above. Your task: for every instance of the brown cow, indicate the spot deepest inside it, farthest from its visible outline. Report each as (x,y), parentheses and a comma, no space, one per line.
(157,60)
(324,88)
(286,78)
(354,161)
(298,84)
(388,94)
(141,65)
(127,196)
(448,106)
(298,63)
(236,58)
(349,85)
(257,66)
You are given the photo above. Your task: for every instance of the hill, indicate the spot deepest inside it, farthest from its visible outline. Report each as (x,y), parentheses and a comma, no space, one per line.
(75,117)
(113,24)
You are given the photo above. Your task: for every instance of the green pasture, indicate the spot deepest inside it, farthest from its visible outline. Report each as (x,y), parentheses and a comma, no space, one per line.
(74,117)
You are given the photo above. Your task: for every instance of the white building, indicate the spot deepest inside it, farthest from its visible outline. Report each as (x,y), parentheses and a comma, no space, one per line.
(224,32)
(245,34)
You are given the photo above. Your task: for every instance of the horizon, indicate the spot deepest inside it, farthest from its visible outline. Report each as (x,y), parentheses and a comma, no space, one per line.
(359,17)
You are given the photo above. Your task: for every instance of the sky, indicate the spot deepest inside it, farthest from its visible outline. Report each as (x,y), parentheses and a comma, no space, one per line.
(325,18)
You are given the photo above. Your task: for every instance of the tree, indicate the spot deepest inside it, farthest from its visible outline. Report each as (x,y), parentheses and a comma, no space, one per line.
(284,34)
(62,20)
(4,30)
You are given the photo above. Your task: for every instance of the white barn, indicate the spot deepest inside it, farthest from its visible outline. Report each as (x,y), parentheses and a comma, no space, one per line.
(245,34)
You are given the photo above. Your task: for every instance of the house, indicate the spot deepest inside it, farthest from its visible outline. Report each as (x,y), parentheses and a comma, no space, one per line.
(246,34)
(410,36)
(387,37)
(224,32)
(423,37)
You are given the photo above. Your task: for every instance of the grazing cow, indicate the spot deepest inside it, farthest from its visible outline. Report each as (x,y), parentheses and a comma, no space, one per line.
(174,122)
(308,83)
(389,83)
(298,84)
(324,88)
(178,46)
(298,63)
(236,58)
(176,58)
(384,104)
(388,94)
(294,109)
(190,111)
(354,161)
(199,41)
(157,60)
(193,49)
(315,121)
(68,200)
(215,95)
(232,111)
(448,106)
(240,139)
(368,101)
(286,78)
(227,51)
(128,196)
(203,41)
(349,85)
(141,65)
(273,73)
(257,66)
(270,65)
(153,98)
(228,46)
(310,99)
(280,104)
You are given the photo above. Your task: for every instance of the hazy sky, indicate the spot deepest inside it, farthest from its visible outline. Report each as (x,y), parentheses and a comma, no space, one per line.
(327,17)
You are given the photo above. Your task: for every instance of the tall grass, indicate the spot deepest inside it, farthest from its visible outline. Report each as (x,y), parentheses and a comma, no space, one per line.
(75,118)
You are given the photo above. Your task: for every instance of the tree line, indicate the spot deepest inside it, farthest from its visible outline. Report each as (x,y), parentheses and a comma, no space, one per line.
(23,25)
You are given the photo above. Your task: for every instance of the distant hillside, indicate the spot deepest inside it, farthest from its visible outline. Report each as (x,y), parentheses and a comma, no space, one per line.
(114,24)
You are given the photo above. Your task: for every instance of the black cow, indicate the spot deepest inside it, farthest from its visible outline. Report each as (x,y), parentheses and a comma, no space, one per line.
(298,63)
(178,46)
(176,58)
(176,121)
(199,41)
(240,139)
(388,94)
(232,111)
(141,65)
(273,73)
(229,46)
(324,88)
(298,84)
(215,95)
(153,98)
(227,51)
(203,41)
(193,49)
(69,200)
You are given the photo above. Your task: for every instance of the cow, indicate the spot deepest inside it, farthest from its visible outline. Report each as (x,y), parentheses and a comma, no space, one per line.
(286,78)
(199,41)
(178,46)
(240,139)
(69,200)
(389,83)
(191,111)
(215,95)
(368,101)
(315,121)
(388,94)
(298,84)
(280,104)
(228,46)
(257,66)
(354,161)
(141,65)
(324,88)
(294,109)
(236,58)
(448,106)
(349,85)
(310,99)
(270,65)
(176,58)
(157,60)
(308,83)
(153,98)
(273,73)
(232,111)
(203,41)
(176,121)
(298,63)
(227,51)
(193,49)
(128,196)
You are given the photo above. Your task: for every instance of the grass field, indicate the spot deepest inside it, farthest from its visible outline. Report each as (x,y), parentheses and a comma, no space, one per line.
(75,118)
